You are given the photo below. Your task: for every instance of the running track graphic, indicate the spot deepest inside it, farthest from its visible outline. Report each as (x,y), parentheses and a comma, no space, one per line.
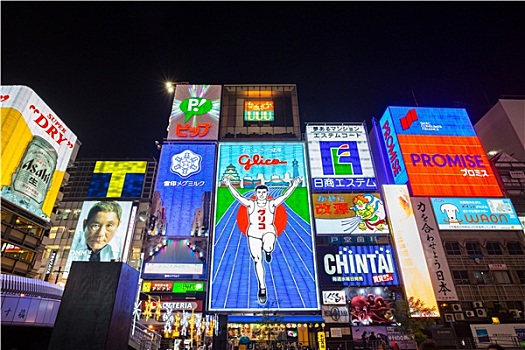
(291,279)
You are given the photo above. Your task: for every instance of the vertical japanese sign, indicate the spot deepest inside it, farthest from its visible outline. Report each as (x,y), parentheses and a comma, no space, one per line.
(412,261)
(340,158)
(195,113)
(184,184)
(263,245)
(433,249)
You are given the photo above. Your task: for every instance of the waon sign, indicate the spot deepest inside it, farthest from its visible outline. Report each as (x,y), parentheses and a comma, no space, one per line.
(436,151)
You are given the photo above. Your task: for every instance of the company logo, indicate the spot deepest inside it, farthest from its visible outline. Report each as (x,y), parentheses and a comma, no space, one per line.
(186,163)
(195,106)
(340,158)
(390,145)
(408,119)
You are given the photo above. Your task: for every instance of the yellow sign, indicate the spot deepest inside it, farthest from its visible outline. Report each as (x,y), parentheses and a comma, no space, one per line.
(321,339)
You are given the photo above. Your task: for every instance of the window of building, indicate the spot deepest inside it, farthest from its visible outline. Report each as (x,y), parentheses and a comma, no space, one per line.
(473,248)
(482,277)
(501,277)
(514,248)
(461,277)
(452,248)
(493,248)
(521,276)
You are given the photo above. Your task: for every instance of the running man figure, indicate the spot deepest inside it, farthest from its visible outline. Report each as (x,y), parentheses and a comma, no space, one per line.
(261,229)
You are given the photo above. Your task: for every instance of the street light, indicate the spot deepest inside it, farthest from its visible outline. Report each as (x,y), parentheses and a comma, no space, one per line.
(170,85)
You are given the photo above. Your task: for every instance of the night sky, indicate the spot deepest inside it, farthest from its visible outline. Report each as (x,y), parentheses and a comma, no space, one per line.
(101,66)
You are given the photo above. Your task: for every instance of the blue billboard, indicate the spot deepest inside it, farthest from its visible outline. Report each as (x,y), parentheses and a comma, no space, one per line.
(475,214)
(184,185)
(358,265)
(430,121)
(263,245)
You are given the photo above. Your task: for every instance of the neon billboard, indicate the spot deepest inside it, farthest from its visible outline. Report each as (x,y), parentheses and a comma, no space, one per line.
(101,232)
(263,245)
(195,113)
(259,111)
(118,179)
(340,158)
(475,214)
(36,149)
(410,253)
(363,265)
(184,184)
(345,213)
(438,152)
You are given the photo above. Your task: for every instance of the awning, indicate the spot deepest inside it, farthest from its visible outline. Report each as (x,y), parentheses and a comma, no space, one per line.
(279,319)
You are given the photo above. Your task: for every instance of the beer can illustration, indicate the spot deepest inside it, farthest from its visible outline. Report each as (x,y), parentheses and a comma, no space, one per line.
(33,176)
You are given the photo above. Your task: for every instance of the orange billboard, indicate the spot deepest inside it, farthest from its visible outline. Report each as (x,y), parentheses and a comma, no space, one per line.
(443,166)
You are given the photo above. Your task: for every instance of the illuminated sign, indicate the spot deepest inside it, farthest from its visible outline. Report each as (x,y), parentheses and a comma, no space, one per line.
(340,158)
(475,214)
(36,149)
(344,213)
(373,305)
(263,238)
(433,249)
(94,217)
(372,265)
(412,261)
(175,260)
(439,150)
(119,179)
(258,111)
(195,113)
(184,183)
(334,297)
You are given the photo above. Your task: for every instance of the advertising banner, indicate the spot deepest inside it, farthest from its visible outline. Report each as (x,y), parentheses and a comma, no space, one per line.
(440,152)
(101,232)
(334,297)
(345,213)
(373,305)
(335,314)
(362,265)
(475,214)
(176,260)
(184,184)
(412,261)
(195,113)
(263,245)
(433,249)
(340,158)
(36,149)
(117,179)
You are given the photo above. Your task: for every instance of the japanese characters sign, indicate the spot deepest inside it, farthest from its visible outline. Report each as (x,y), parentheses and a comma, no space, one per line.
(340,158)
(345,213)
(372,265)
(263,242)
(475,214)
(438,152)
(433,249)
(195,113)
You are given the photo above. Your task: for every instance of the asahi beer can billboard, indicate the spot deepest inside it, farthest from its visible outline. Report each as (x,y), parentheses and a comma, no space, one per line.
(36,149)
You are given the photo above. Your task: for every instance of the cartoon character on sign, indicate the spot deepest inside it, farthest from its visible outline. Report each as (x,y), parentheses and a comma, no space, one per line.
(261,231)
(451,211)
(370,214)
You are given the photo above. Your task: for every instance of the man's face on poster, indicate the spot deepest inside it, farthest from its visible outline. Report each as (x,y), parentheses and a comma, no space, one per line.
(261,194)
(100,229)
